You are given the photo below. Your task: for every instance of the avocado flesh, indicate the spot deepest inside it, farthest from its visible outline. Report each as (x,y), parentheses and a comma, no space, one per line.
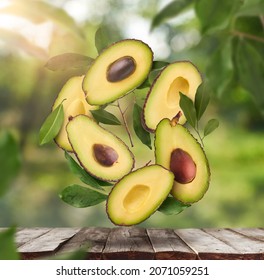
(74,103)
(85,136)
(170,138)
(164,96)
(132,59)
(139,194)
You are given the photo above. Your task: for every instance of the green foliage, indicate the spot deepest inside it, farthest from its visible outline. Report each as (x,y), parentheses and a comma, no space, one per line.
(214,14)
(102,38)
(81,197)
(10,160)
(201,102)
(102,116)
(68,61)
(210,126)
(51,126)
(85,177)
(7,245)
(141,133)
(171,206)
(251,71)
(188,109)
(171,10)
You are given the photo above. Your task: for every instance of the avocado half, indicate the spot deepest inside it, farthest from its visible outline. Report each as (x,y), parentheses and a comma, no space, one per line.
(74,103)
(100,152)
(177,150)
(119,69)
(164,96)
(138,195)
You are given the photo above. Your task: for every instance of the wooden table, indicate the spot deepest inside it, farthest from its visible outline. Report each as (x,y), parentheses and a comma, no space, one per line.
(140,243)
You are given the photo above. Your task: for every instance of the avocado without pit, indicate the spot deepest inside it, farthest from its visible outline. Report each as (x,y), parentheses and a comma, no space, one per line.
(164,95)
(138,195)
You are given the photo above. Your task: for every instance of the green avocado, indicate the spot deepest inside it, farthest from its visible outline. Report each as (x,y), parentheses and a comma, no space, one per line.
(138,195)
(164,95)
(118,70)
(177,150)
(74,103)
(100,152)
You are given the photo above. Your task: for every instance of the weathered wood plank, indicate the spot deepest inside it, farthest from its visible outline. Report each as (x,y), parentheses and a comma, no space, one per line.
(92,240)
(47,244)
(206,246)
(168,246)
(128,243)
(255,233)
(248,248)
(24,235)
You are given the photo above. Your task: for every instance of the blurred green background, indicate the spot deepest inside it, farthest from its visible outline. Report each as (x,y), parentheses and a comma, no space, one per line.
(225,39)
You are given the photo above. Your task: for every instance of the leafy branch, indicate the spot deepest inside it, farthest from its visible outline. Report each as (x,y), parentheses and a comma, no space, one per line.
(193,111)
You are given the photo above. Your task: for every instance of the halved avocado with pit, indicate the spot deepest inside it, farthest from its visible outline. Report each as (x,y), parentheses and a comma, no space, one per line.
(100,152)
(139,194)
(164,96)
(177,150)
(74,103)
(119,69)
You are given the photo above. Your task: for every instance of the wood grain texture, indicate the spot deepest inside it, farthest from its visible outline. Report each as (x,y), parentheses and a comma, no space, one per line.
(139,243)
(92,240)
(207,246)
(47,244)
(167,245)
(247,247)
(128,243)
(24,235)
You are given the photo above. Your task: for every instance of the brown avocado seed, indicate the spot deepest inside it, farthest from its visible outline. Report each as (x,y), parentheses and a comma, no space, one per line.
(182,166)
(105,155)
(120,69)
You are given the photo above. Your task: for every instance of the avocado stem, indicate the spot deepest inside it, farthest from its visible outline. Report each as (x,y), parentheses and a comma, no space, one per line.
(125,123)
(176,119)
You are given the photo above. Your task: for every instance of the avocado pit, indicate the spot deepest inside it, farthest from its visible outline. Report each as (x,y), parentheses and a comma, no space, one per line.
(120,69)
(105,155)
(182,166)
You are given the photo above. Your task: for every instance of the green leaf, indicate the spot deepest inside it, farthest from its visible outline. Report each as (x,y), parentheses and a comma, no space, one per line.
(159,64)
(211,126)
(188,109)
(251,25)
(80,197)
(10,159)
(171,10)
(250,67)
(141,133)
(102,116)
(251,8)
(201,102)
(153,75)
(85,177)
(220,68)
(51,126)
(215,14)
(102,38)
(171,206)
(8,249)
(68,61)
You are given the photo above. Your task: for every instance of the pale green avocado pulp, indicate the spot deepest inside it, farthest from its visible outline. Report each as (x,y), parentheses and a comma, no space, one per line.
(169,138)
(74,103)
(129,61)
(163,99)
(139,194)
(99,151)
